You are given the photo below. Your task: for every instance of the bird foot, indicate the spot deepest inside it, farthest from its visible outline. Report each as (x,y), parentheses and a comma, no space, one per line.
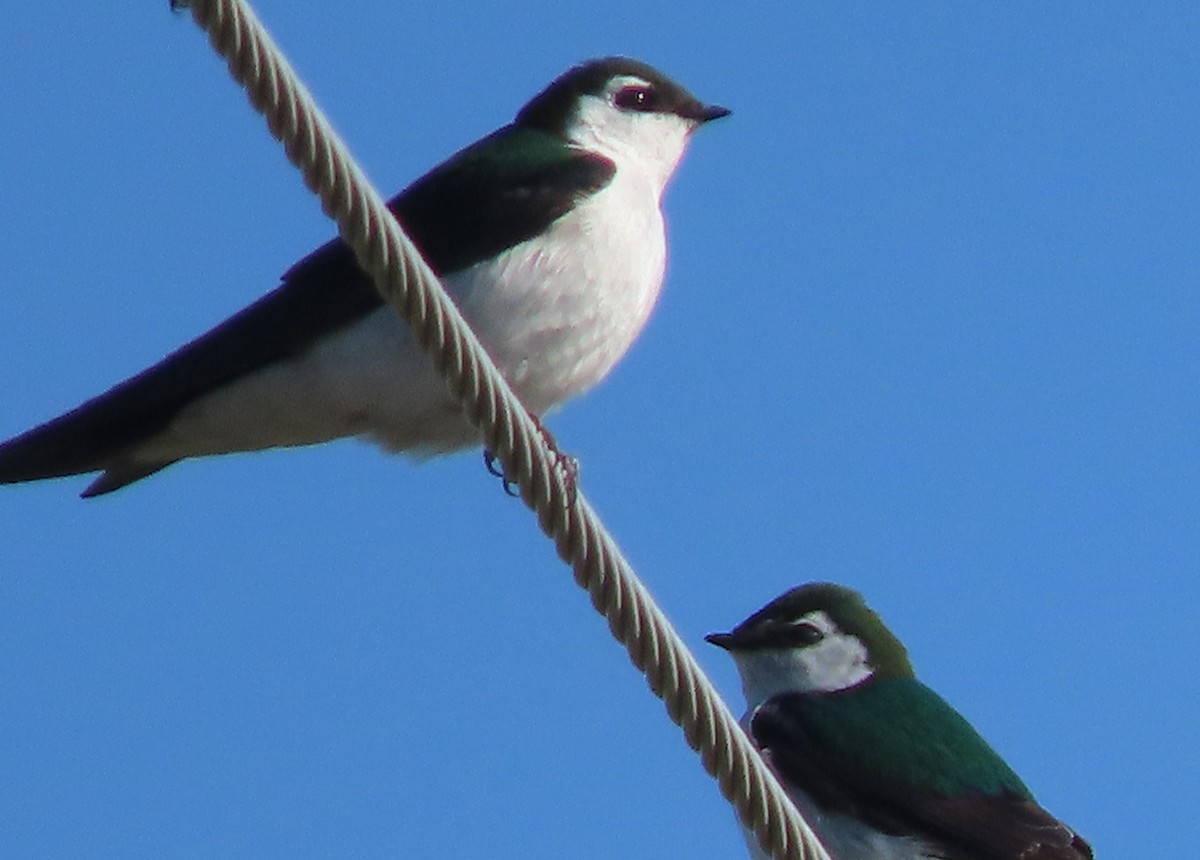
(492,464)
(565,463)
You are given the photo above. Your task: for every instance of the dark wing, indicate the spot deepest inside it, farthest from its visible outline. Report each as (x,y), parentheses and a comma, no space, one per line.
(894,754)
(498,192)
(1009,827)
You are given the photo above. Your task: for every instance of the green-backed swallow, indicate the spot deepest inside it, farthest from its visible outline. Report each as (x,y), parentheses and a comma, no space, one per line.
(876,762)
(548,234)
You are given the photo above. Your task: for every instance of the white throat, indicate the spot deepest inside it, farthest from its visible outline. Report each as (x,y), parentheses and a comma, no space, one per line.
(837,662)
(651,143)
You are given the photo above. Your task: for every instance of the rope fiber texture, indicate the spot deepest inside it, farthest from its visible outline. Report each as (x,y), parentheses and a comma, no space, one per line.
(404,280)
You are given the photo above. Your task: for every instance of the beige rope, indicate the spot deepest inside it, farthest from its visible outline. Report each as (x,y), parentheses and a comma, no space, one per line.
(404,280)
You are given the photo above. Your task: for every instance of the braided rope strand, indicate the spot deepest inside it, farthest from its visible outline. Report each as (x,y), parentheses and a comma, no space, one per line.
(405,281)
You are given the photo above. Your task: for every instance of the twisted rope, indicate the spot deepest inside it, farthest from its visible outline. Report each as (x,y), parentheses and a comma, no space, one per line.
(404,280)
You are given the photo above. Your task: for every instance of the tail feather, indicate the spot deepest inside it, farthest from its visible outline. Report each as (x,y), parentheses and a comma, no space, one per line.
(93,437)
(118,475)
(75,443)
(320,295)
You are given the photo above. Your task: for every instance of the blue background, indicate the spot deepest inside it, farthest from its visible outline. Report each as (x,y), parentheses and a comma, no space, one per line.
(929,330)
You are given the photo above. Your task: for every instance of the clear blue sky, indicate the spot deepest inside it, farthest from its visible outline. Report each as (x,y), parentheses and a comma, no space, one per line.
(930,330)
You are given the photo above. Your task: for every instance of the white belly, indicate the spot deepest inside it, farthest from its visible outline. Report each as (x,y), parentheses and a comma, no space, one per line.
(555,314)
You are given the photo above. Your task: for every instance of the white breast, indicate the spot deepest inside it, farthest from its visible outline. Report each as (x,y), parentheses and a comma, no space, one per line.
(555,313)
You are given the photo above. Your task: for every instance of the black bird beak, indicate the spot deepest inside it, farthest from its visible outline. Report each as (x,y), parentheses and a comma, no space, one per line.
(721,640)
(707,113)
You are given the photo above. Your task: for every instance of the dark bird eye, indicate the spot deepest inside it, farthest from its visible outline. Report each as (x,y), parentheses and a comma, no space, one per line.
(636,98)
(807,634)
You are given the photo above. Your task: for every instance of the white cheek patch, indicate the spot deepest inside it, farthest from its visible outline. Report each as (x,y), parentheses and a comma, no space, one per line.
(837,662)
(649,144)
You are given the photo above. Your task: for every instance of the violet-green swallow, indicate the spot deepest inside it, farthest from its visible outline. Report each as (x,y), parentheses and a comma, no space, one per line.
(876,762)
(549,235)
